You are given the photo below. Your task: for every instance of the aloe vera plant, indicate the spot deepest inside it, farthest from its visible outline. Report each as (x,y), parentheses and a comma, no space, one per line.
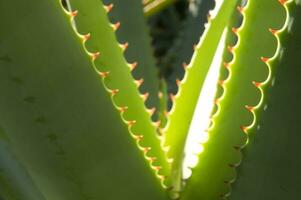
(76,125)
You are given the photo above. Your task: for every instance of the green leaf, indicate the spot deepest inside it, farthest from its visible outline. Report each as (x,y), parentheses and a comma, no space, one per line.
(134,30)
(189,90)
(271,164)
(243,95)
(92,19)
(59,118)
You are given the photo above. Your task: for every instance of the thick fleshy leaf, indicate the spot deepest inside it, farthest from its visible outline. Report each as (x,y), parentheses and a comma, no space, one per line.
(58,117)
(271,164)
(249,72)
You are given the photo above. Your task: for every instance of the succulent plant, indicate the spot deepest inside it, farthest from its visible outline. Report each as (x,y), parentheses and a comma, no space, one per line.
(80,118)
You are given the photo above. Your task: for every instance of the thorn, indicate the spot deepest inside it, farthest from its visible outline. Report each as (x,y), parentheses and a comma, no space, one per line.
(104,74)
(123,109)
(282,1)
(151,111)
(249,108)
(172,96)
(138,137)
(273,31)
(216,101)
(145,96)
(131,123)
(157,168)
(161,177)
(95,56)
(146,149)
(124,46)
(139,82)
(221,82)
(257,84)
(114,91)
(184,65)
(157,123)
(166,113)
(116,26)
(109,7)
(230,49)
(133,65)
(73,13)
(240,9)
(152,159)
(264,59)
(244,129)
(209,17)
(194,47)
(226,64)
(86,37)
(234,30)
(178,82)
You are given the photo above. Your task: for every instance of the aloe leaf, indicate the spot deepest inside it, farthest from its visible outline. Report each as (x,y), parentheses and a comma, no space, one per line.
(92,22)
(134,30)
(186,99)
(58,117)
(15,183)
(271,164)
(249,73)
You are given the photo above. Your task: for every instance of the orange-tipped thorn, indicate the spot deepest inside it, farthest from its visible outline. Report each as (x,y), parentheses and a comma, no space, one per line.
(244,129)
(257,84)
(109,7)
(240,9)
(114,92)
(104,74)
(94,56)
(124,46)
(172,96)
(226,64)
(157,168)
(138,137)
(151,111)
(178,82)
(139,82)
(184,65)
(166,113)
(273,31)
(230,48)
(131,123)
(145,96)
(283,1)
(116,26)
(123,109)
(133,65)
(234,30)
(216,101)
(73,13)
(157,123)
(264,59)
(86,37)
(146,149)
(152,159)
(221,82)
(249,108)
